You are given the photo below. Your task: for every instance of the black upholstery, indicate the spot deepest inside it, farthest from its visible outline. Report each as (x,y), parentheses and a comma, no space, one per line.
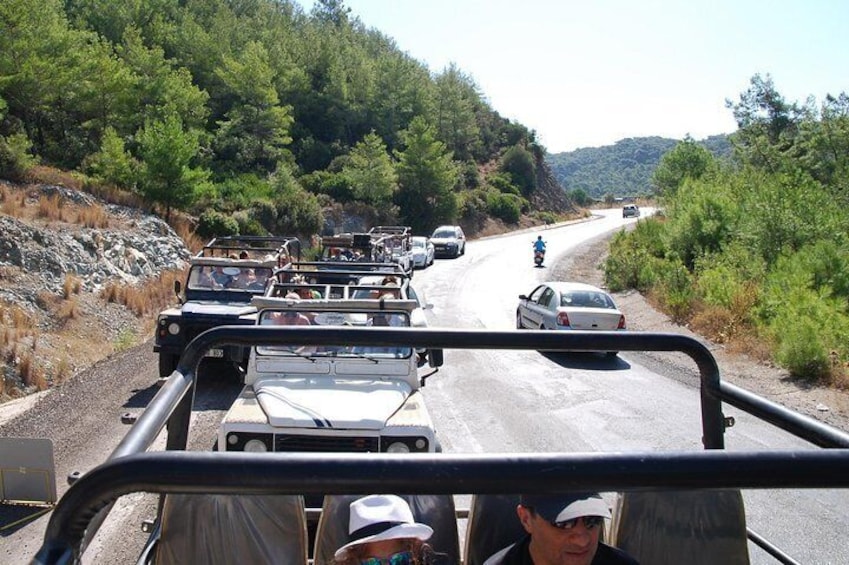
(437,511)
(493,524)
(673,527)
(225,529)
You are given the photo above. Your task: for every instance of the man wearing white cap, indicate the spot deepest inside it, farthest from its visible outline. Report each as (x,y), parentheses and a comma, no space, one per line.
(563,529)
(383,532)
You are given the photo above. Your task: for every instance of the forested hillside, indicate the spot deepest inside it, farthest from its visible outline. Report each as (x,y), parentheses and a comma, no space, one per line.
(620,170)
(254,116)
(754,252)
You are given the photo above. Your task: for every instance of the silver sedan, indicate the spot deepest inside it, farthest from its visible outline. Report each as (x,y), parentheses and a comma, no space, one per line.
(569,306)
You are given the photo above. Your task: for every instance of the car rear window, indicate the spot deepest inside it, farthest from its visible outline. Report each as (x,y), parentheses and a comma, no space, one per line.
(582,299)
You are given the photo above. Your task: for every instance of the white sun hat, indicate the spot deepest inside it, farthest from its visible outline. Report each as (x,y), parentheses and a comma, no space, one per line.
(380,517)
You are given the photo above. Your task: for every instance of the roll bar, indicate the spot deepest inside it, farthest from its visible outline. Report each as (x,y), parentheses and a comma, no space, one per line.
(129,468)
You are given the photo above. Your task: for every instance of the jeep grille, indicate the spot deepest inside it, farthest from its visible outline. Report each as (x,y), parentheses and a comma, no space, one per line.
(337,444)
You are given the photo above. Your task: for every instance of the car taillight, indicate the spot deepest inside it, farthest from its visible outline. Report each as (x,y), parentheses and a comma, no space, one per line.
(621,325)
(562,319)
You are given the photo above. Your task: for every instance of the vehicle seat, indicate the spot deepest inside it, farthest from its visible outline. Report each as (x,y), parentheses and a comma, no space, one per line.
(225,529)
(437,511)
(493,525)
(700,527)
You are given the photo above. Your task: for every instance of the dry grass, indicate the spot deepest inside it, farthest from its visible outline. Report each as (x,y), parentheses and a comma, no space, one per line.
(93,217)
(70,286)
(50,207)
(14,204)
(185,230)
(148,298)
(41,174)
(63,371)
(68,310)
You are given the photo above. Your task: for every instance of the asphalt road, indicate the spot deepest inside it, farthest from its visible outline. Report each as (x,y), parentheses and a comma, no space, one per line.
(481,402)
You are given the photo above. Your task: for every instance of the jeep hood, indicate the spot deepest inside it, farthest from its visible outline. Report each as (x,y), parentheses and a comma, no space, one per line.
(216,309)
(360,403)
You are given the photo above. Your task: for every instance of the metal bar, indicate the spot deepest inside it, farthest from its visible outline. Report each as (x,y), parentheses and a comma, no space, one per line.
(768,547)
(799,425)
(713,425)
(290,473)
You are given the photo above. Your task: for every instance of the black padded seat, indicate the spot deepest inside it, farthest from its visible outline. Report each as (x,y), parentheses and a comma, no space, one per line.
(435,510)
(225,529)
(701,527)
(493,525)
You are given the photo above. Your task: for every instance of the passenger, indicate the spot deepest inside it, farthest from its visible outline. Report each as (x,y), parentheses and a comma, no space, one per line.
(562,529)
(220,277)
(260,279)
(244,280)
(205,278)
(384,532)
(244,255)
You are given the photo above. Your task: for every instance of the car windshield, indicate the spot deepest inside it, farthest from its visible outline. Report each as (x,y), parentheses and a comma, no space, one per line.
(295,318)
(443,233)
(586,299)
(418,243)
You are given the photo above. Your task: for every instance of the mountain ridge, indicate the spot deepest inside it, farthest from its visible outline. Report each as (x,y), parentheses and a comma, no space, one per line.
(622,169)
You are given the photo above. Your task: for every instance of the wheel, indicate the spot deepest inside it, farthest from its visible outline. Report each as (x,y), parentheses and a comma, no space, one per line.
(464,250)
(519,325)
(167,364)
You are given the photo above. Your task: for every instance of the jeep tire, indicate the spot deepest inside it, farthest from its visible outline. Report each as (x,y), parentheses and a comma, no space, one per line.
(167,364)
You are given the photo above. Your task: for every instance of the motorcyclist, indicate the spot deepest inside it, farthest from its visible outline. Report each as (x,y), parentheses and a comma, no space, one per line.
(539,245)
(539,250)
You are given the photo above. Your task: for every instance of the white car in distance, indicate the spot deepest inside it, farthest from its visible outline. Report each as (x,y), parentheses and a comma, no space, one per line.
(423,252)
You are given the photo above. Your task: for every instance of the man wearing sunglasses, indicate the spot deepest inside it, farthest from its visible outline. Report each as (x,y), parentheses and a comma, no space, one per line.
(563,529)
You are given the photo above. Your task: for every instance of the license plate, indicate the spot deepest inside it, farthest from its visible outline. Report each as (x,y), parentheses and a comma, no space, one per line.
(215,353)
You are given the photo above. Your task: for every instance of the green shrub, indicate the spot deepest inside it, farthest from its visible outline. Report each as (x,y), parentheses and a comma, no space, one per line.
(502,183)
(675,288)
(506,207)
(213,223)
(547,217)
(519,163)
(239,192)
(629,264)
(248,225)
(15,157)
(802,352)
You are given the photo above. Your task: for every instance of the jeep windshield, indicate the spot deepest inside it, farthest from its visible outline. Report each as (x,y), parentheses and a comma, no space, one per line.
(324,318)
(234,277)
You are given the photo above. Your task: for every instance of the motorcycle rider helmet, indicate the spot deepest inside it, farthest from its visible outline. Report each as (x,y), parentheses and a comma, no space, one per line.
(539,237)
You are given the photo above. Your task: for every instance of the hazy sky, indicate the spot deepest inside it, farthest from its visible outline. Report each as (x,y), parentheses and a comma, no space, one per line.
(589,73)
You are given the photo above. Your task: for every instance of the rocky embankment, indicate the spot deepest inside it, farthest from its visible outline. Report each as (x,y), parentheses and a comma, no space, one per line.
(59,249)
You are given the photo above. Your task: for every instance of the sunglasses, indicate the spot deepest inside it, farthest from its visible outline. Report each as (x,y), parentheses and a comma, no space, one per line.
(590,522)
(401,558)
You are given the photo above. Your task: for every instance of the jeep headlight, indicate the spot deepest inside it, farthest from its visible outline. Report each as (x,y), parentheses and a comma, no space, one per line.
(398,447)
(173,328)
(255,446)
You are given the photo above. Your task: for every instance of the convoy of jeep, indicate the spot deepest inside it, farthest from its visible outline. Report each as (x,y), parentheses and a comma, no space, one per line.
(222,280)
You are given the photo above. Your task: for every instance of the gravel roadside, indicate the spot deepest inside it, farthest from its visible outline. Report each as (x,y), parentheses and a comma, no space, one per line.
(824,404)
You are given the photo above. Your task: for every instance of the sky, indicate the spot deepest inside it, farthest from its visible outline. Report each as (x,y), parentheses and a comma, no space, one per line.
(589,73)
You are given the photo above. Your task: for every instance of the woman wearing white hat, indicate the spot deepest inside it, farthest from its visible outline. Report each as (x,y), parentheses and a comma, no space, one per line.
(383,532)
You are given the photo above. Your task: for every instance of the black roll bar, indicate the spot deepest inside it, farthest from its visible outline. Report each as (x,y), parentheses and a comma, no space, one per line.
(79,513)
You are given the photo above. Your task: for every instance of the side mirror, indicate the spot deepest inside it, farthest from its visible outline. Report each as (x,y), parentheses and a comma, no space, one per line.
(177,288)
(435,357)
(522,297)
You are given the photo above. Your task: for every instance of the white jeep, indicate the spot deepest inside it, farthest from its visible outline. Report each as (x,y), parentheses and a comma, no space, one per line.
(335,398)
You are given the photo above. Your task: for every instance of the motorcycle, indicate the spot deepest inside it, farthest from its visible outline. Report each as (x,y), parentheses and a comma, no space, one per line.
(539,256)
